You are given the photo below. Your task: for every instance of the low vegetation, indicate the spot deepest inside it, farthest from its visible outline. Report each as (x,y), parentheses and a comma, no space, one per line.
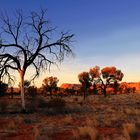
(115,117)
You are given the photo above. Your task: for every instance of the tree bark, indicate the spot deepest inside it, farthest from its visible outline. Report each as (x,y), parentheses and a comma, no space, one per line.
(22,90)
(84,95)
(51,93)
(104,91)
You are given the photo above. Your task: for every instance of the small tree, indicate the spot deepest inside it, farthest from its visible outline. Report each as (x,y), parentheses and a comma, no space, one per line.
(28,41)
(84,79)
(50,84)
(110,76)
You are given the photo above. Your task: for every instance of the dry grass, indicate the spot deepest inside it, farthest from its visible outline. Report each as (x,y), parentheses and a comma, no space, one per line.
(86,133)
(131,131)
(3,106)
(115,117)
(68,120)
(8,126)
(19,119)
(131,111)
(36,133)
(91,122)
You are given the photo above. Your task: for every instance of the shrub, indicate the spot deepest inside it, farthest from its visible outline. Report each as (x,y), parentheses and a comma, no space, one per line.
(3,106)
(75,99)
(9,127)
(32,91)
(3,88)
(56,106)
(68,120)
(131,130)
(41,102)
(56,103)
(36,102)
(86,133)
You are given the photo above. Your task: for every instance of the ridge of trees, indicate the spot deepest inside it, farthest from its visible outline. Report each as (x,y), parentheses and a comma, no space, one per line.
(104,77)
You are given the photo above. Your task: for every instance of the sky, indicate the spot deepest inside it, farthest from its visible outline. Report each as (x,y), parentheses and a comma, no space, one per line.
(107,33)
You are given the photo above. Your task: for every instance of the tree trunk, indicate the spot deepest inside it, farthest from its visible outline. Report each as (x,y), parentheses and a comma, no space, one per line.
(84,95)
(22,90)
(12,92)
(104,91)
(116,87)
(51,93)
(95,89)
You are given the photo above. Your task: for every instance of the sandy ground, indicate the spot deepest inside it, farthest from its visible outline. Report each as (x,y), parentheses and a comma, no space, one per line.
(116,117)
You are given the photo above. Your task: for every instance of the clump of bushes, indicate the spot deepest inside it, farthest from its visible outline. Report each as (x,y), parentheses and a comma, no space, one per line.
(56,103)
(52,106)
(35,103)
(55,106)
(41,102)
(32,91)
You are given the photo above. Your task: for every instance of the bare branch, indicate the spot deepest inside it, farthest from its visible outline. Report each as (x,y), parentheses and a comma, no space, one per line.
(32,43)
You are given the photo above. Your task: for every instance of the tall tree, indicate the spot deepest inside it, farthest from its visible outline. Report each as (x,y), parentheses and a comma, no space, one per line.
(84,79)
(105,77)
(28,41)
(110,75)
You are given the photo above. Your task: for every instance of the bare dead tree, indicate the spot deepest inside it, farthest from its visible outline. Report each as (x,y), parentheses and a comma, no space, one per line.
(29,41)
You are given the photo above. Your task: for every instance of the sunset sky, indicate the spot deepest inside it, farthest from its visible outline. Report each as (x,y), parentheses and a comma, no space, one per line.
(107,33)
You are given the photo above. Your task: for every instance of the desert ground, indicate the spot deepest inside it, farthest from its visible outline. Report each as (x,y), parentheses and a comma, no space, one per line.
(116,117)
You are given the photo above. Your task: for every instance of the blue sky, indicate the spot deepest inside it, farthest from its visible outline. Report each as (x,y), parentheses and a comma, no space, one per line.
(107,32)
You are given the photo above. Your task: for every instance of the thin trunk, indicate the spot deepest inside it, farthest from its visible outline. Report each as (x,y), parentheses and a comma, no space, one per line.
(22,90)
(51,93)
(104,91)
(84,95)
(95,89)
(12,92)
(116,86)
(103,87)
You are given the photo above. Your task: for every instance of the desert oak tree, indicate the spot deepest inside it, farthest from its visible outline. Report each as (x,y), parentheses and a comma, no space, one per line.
(28,41)
(50,84)
(106,76)
(84,79)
